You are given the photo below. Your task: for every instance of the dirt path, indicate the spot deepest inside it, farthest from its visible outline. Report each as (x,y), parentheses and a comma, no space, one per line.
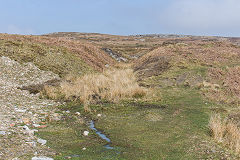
(22,113)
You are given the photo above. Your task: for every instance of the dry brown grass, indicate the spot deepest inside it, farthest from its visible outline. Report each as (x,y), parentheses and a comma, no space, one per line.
(111,85)
(153,63)
(217,127)
(226,132)
(229,82)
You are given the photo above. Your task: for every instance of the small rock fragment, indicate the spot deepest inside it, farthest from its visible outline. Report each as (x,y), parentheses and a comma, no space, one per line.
(85,133)
(77,113)
(36,125)
(33,144)
(26,120)
(21,110)
(12,125)
(42,126)
(3,133)
(26,128)
(42,141)
(84,149)
(99,115)
(55,117)
(67,111)
(41,158)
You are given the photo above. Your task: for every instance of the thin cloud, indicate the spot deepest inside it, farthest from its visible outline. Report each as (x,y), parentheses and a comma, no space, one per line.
(203,16)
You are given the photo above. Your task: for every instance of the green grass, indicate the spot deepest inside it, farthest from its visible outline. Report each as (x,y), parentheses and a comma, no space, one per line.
(67,139)
(139,130)
(167,138)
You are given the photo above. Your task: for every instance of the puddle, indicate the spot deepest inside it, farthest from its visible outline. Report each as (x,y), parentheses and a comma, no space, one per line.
(101,135)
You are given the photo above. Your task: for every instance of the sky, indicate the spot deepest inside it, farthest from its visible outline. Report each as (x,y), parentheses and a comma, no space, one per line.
(121,17)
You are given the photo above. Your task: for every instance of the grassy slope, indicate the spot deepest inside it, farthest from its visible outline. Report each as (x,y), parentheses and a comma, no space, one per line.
(55,59)
(58,55)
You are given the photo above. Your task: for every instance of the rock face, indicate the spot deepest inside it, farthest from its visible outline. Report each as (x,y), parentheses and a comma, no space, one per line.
(19,107)
(114,55)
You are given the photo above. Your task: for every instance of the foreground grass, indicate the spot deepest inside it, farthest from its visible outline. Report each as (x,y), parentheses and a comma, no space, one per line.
(67,139)
(162,131)
(172,128)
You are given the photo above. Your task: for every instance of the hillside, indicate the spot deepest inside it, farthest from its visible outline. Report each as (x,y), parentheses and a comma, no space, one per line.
(56,54)
(99,96)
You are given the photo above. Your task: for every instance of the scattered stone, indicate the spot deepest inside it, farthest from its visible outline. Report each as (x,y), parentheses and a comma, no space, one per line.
(20,110)
(3,133)
(42,158)
(26,128)
(32,144)
(55,117)
(26,120)
(67,111)
(99,115)
(36,125)
(85,133)
(42,141)
(78,113)
(19,106)
(12,125)
(31,132)
(84,149)
(114,55)
(42,126)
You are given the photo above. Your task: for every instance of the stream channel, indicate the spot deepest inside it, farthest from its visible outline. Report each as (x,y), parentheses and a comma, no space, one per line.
(101,135)
(108,146)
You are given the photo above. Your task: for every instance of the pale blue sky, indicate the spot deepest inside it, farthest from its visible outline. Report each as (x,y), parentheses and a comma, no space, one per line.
(122,17)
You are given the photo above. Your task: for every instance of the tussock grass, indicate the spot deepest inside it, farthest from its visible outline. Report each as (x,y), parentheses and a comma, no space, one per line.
(226,132)
(217,127)
(111,85)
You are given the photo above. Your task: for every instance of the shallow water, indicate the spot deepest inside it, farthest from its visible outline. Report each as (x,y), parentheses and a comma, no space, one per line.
(101,135)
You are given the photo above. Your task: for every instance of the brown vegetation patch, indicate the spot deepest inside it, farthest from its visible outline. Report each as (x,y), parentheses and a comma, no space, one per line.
(36,88)
(152,64)
(111,85)
(227,87)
